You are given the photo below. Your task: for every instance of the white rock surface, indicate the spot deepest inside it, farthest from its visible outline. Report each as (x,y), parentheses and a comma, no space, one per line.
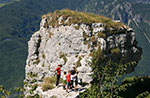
(47,45)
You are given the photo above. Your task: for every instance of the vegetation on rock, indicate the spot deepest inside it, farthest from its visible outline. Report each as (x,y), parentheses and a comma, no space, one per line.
(48,83)
(74,17)
(105,77)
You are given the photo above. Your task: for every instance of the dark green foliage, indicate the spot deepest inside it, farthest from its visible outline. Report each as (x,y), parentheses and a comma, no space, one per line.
(18,21)
(139,87)
(143,24)
(105,77)
(4,92)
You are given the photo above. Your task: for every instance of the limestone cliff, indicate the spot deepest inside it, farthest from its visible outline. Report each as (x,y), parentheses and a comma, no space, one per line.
(69,38)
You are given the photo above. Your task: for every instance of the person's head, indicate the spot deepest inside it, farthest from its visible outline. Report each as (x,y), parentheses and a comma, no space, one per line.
(60,65)
(65,72)
(69,71)
(74,68)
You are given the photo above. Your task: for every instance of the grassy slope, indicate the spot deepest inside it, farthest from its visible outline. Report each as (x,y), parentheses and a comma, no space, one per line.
(81,17)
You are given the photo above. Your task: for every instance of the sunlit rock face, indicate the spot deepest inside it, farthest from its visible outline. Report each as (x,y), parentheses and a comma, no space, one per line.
(72,45)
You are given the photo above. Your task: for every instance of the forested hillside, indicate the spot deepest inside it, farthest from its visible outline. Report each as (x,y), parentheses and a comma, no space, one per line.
(19,20)
(133,13)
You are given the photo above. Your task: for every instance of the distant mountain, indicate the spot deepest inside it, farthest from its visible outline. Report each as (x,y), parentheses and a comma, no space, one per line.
(19,20)
(140,1)
(3,1)
(6,2)
(134,13)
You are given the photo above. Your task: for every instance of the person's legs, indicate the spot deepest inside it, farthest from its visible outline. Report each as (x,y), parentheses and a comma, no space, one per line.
(64,84)
(75,87)
(57,81)
(68,86)
(71,84)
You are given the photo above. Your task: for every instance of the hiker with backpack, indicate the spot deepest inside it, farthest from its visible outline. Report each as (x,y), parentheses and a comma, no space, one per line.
(58,71)
(72,77)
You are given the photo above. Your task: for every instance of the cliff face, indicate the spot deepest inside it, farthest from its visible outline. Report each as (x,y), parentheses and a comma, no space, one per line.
(69,38)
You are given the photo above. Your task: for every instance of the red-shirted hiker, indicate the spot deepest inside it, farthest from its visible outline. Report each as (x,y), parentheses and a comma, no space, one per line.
(58,70)
(68,80)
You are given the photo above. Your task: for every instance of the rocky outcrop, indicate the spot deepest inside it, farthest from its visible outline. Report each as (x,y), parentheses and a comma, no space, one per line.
(71,44)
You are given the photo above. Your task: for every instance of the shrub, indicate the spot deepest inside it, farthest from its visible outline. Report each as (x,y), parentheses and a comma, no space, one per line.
(31,74)
(48,83)
(34,96)
(43,65)
(33,81)
(46,87)
(101,35)
(115,51)
(34,87)
(59,44)
(78,63)
(77,27)
(94,40)
(50,34)
(50,80)
(43,56)
(63,55)
(37,61)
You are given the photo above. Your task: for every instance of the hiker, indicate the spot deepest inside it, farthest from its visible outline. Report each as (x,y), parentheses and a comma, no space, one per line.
(72,77)
(58,70)
(76,80)
(64,80)
(68,80)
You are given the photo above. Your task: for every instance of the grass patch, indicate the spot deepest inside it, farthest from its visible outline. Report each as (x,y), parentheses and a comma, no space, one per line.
(75,17)
(115,51)
(63,56)
(31,74)
(77,27)
(59,44)
(33,81)
(34,87)
(50,34)
(48,83)
(101,35)
(43,56)
(43,65)
(50,80)
(78,63)
(37,61)
(46,87)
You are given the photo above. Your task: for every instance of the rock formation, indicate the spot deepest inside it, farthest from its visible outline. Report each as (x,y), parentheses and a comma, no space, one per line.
(69,38)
